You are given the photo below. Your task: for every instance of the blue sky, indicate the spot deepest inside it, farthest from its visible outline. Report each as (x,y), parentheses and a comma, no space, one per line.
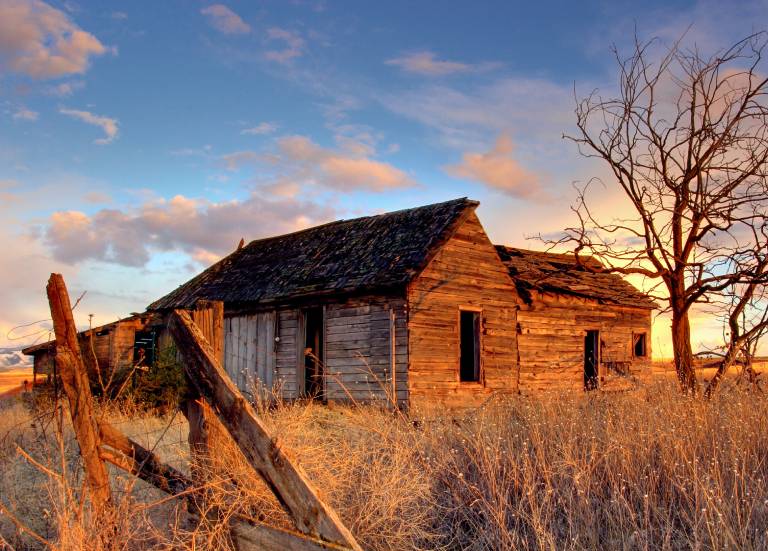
(139,141)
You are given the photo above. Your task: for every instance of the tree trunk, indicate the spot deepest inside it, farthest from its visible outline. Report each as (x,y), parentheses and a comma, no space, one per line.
(725,365)
(681,345)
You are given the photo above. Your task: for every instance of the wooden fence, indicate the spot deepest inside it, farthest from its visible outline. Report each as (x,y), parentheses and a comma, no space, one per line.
(198,335)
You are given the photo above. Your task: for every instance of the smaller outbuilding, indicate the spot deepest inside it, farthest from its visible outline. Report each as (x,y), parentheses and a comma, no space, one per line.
(577,328)
(115,346)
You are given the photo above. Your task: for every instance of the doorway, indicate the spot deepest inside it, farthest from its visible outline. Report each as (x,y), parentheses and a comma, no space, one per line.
(591,359)
(313,352)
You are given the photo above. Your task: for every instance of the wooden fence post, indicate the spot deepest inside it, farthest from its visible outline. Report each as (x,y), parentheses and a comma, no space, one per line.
(208,315)
(74,378)
(286,479)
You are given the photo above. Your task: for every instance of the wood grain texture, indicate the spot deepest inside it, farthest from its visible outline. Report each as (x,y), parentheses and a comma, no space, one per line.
(74,379)
(551,341)
(466,272)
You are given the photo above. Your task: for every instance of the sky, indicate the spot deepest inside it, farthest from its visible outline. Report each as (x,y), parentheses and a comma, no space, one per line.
(140,141)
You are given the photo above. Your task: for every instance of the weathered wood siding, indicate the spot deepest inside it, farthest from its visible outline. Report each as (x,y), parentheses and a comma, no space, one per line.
(465,272)
(551,341)
(250,352)
(122,338)
(288,353)
(360,349)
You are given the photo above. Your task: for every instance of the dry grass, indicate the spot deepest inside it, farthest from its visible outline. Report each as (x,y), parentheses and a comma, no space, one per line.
(13,379)
(645,470)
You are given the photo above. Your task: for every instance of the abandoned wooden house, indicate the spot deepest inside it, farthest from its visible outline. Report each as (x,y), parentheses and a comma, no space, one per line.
(577,328)
(413,304)
(118,345)
(416,304)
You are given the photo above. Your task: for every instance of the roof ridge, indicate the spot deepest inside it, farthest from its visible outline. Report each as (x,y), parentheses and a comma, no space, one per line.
(469,202)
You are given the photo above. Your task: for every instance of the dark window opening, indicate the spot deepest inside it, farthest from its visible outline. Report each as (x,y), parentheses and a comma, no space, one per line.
(313,352)
(639,345)
(591,359)
(144,349)
(469,329)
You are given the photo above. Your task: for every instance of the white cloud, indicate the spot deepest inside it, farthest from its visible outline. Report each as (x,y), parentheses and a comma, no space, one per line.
(260,129)
(225,20)
(108,125)
(200,228)
(427,63)
(294,45)
(24,114)
(297,160)
(42,42)
(499,169)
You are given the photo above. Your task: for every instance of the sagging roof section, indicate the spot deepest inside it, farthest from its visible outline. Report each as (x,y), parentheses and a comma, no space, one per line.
(367,253)
(560,273)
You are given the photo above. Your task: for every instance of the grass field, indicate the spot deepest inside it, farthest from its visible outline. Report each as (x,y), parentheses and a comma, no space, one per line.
(641,470)
(11,380)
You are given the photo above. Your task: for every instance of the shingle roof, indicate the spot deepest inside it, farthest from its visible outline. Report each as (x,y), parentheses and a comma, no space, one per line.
(367,253)
(560,273)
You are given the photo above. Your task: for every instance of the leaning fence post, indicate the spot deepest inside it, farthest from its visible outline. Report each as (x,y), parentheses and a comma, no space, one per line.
(74,378)
(286,479)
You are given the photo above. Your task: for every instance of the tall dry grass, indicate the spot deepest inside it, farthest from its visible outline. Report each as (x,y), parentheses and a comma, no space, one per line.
(644,470)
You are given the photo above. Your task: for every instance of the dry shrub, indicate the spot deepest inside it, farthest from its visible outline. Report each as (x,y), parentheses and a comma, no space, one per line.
(642,470)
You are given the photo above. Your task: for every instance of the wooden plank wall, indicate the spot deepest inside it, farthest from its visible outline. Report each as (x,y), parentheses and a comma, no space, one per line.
(121,340)
(552,334)
(466,272)
(287,352)
(249,352)
(358,350)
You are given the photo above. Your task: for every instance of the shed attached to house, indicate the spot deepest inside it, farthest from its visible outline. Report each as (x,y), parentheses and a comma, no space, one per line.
(414,304)
(577,328)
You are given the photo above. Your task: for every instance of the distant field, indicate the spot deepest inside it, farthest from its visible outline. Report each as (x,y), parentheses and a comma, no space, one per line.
(13,379)
(705,369)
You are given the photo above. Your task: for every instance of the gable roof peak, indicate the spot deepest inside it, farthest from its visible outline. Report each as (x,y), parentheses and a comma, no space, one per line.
(371,252)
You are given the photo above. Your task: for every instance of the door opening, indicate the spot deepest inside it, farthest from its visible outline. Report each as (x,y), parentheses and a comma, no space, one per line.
(313,352)
(591,359)
(144,348)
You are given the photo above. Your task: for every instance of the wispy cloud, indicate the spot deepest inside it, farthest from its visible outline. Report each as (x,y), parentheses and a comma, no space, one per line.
(65,89)
(297,161)
(260,129)
(499,169)
(293,45)
(225,20)
(24,114)
(42,42)
(108,125)
(427,63)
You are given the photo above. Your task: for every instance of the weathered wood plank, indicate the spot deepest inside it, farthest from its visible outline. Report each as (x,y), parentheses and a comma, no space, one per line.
(288,480)
(74,379)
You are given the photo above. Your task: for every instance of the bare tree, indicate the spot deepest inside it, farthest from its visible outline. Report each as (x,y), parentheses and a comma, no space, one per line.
(686,141)
(744,309)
